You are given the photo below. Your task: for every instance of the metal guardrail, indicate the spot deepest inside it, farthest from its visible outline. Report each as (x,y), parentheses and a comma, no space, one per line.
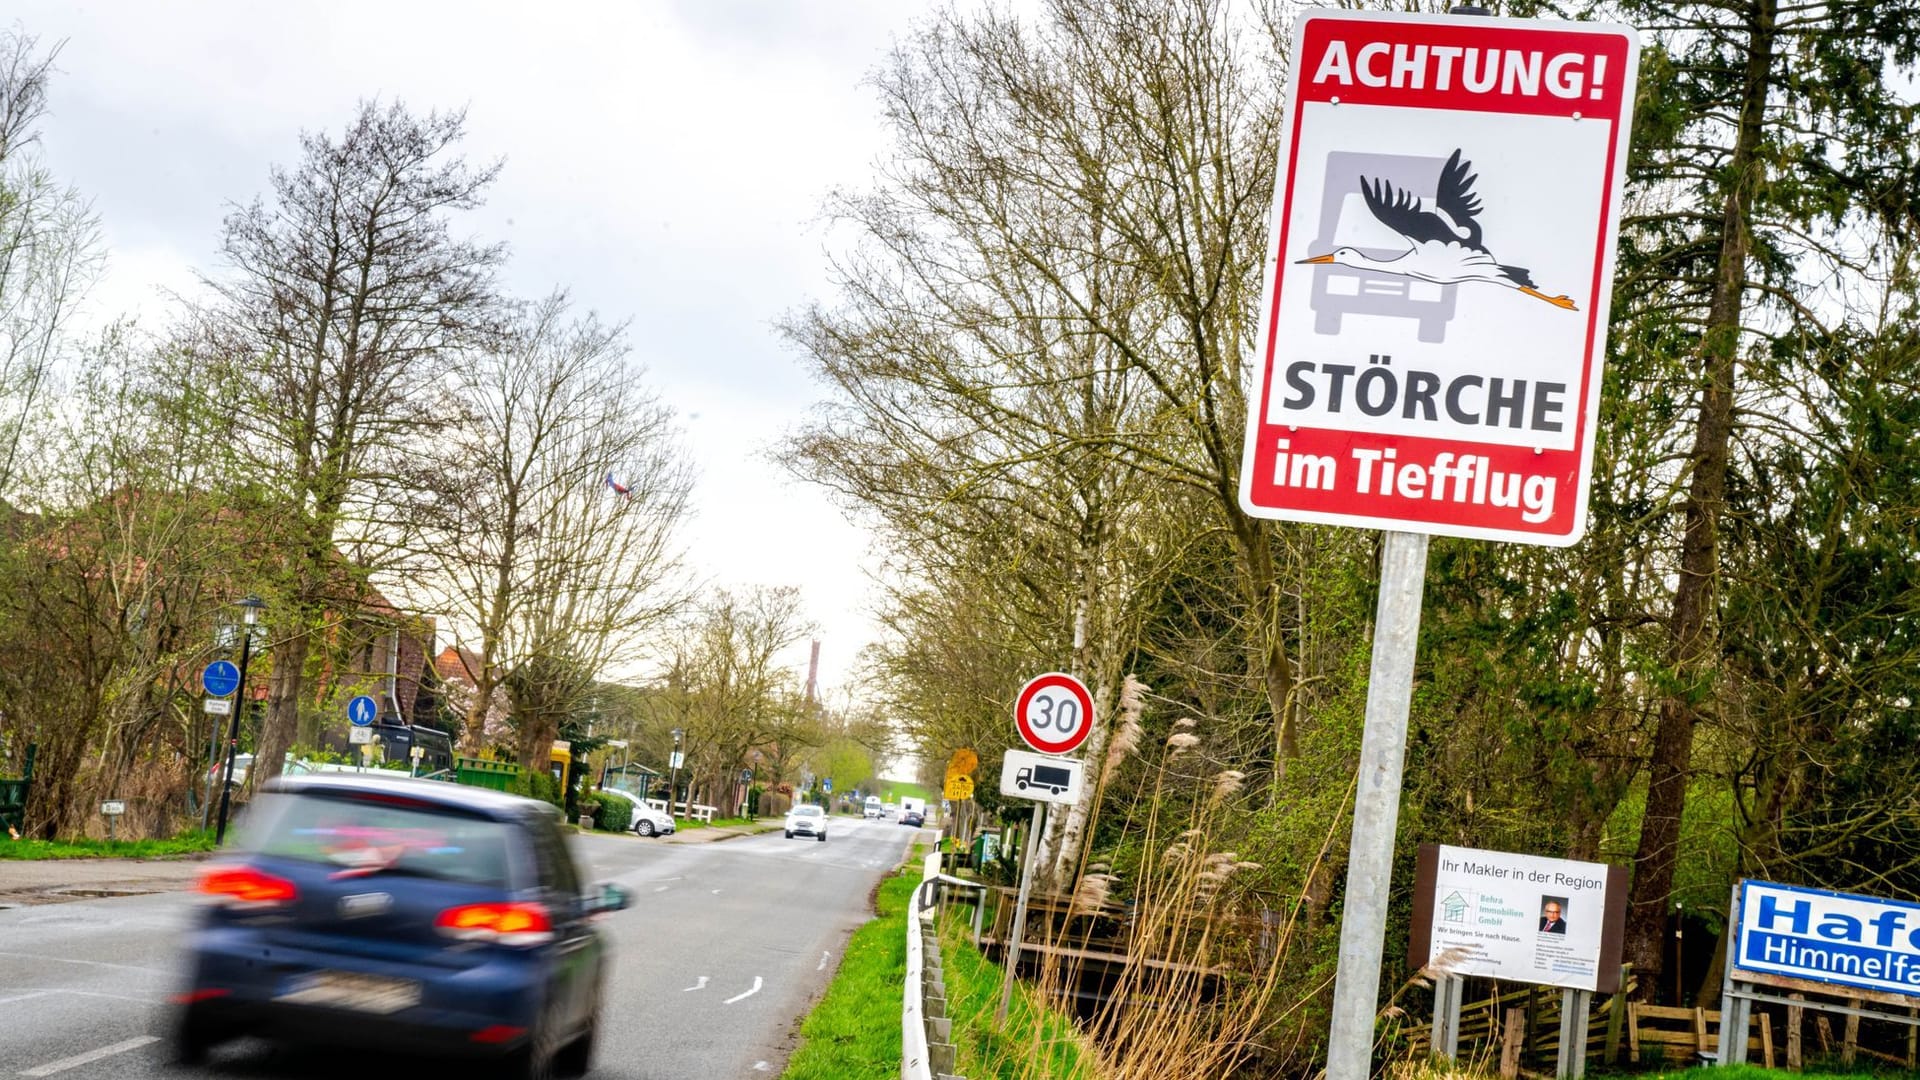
(926,1033)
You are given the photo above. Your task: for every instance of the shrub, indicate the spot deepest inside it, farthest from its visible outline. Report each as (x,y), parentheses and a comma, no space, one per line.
(611,813)
(536,785)
(774,804)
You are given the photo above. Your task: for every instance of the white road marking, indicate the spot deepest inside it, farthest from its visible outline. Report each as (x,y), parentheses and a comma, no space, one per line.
(716,892)
(86,963)
(761,1066)
(823,962)
(701,985)
(26,993)
(91,1056)
(661,889)
(748,994)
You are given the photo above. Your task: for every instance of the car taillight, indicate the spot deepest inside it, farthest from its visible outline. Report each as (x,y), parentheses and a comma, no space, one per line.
(244,886)
(500,924)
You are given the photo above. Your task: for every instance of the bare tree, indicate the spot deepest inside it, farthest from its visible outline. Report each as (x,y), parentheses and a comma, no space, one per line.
(50,251)
(553,542)
(347,293)
(735,695)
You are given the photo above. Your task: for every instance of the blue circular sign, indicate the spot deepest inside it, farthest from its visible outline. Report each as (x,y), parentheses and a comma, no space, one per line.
(221,678)
(362,710)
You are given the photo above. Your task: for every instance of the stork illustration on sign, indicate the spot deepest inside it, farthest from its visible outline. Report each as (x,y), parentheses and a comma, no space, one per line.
(1445,245)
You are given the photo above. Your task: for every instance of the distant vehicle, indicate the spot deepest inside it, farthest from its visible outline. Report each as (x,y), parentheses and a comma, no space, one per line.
(646,820)
(874,808)
(912,817)
(807,819)
(1051,777)
(888,811)
(911,805)
(439,917)
(243,762)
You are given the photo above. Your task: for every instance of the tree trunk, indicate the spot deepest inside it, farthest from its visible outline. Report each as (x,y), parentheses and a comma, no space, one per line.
(1690,641)
(1269,661)
(283,707)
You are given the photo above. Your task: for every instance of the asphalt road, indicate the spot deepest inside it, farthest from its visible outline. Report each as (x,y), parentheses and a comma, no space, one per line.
(725,948)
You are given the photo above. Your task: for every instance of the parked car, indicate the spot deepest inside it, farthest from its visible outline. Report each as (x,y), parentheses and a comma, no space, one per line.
(647,821)
(807,819)
(912,817)
(403,915)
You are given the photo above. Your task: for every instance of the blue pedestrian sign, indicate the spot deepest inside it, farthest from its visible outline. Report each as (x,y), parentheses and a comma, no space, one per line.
(221,678)
(827,785)
(362,710)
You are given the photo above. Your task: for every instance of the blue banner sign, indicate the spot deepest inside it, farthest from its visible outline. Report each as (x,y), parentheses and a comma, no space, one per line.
(1829,937)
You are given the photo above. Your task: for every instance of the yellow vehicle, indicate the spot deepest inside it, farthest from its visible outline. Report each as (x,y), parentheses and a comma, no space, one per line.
(560,762)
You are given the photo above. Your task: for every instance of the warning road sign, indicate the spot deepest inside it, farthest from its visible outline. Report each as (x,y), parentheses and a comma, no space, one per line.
(1440,264)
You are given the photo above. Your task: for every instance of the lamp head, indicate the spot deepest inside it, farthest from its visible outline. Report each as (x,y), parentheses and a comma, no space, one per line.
(250,609)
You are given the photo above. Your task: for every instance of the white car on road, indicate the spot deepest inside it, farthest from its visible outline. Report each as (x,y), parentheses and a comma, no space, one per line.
(807,820)
(647,821)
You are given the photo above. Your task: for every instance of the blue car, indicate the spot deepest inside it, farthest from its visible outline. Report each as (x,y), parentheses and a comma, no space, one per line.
(409,915)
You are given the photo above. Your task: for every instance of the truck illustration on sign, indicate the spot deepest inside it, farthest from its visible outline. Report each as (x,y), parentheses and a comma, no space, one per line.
(1051,777)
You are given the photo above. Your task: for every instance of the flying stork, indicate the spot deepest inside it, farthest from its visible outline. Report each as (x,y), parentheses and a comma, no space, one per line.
(1444,241)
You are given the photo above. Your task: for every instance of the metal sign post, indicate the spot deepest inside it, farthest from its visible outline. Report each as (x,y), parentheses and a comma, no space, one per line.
(111,809)
(1020,913)
(1376,805)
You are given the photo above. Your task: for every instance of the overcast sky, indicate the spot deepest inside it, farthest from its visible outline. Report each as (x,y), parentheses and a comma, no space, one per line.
(664,161)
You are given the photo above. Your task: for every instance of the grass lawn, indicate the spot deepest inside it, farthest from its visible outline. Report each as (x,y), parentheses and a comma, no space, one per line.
(854,1033)
(719,822)
(185,844)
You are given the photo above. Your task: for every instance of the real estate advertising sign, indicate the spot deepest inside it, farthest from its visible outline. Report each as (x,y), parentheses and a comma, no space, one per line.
(1523,918)
(1813,935)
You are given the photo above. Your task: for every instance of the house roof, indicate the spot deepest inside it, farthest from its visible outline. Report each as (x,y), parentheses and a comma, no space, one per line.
(457,663)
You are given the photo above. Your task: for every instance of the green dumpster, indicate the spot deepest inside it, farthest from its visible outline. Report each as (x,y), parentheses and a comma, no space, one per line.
(480,772)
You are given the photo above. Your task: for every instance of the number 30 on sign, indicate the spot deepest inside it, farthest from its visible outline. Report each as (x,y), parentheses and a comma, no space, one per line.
(1054,713)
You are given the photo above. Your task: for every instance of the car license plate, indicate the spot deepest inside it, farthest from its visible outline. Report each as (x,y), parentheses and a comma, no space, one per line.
(346,990)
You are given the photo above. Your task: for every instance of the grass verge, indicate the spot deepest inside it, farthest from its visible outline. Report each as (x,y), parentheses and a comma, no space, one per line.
(1037,1043)
(854,1033)
(1714,1072)
(186,843)
(1757,1073)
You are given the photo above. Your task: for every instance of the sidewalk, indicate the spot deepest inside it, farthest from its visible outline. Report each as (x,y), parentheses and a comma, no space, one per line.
(708,834)
(51,881)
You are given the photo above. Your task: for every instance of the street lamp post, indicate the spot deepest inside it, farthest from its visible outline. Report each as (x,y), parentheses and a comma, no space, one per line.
(249,615)
(673,770)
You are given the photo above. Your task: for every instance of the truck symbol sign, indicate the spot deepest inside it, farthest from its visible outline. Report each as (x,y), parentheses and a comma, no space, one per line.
(1051,777)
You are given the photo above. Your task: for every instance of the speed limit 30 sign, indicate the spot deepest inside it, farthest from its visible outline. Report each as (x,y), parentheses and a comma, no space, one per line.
(1054,713)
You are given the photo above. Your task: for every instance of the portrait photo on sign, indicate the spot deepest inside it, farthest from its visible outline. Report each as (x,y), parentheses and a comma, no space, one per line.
(1553,914)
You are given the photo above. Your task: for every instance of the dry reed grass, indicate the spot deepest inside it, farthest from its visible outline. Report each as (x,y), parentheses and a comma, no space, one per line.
(1159,1020)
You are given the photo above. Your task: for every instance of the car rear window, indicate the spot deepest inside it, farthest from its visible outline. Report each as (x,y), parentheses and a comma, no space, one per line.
(365,836)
